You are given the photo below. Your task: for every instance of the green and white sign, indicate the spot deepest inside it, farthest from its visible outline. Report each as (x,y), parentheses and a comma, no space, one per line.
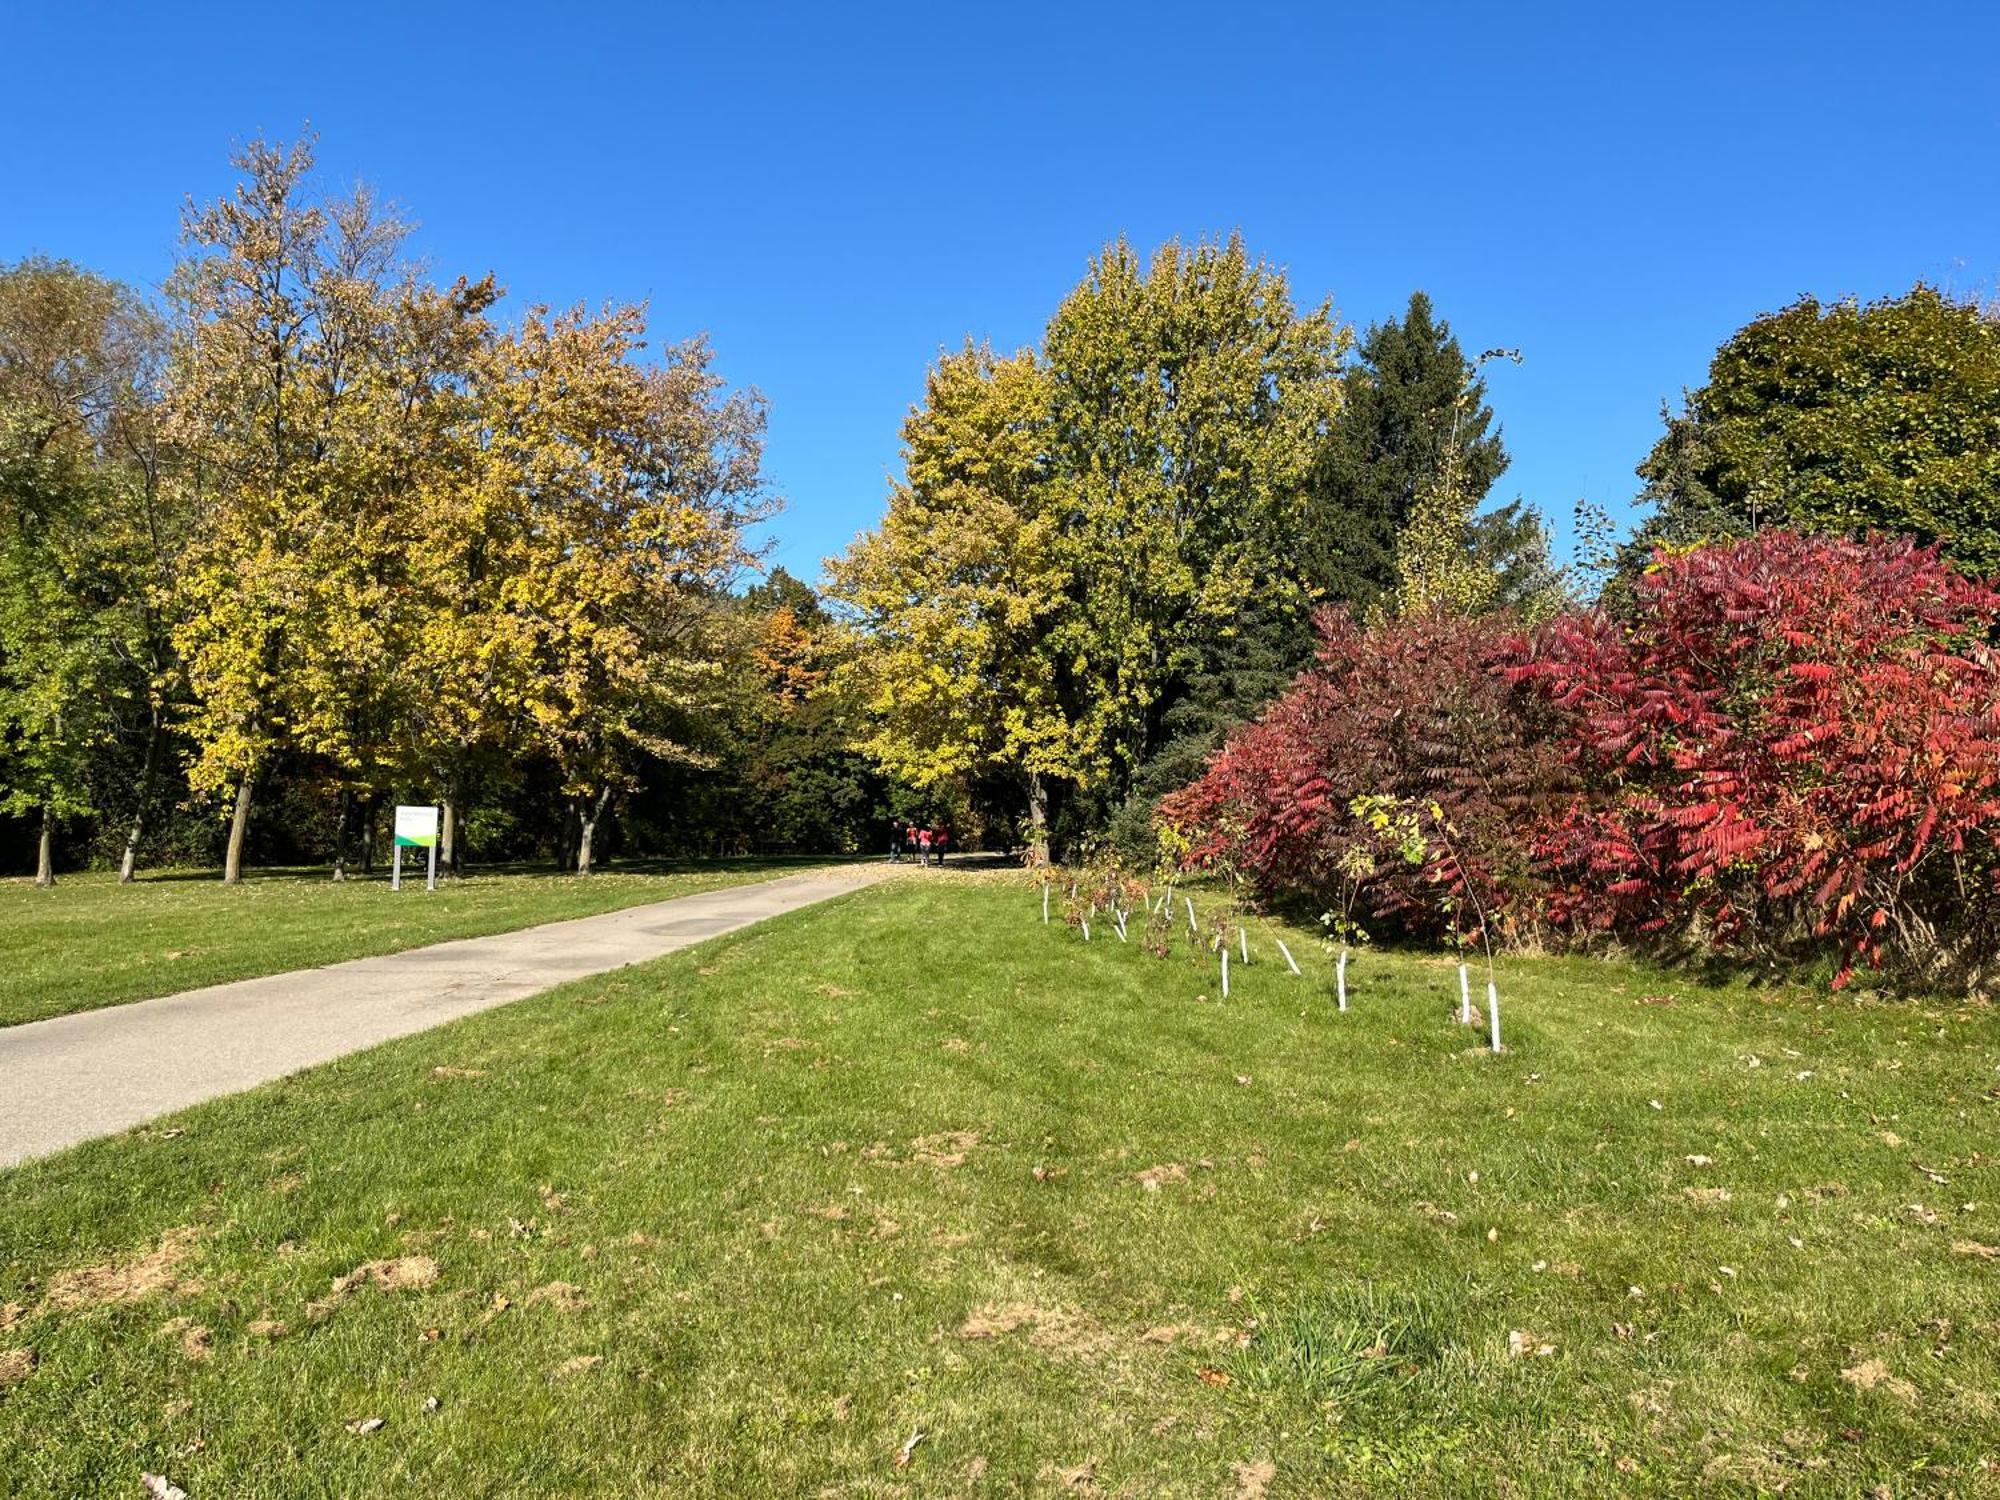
(416,827)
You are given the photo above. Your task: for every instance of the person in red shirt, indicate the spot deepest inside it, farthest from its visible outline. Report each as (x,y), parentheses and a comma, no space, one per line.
(924,847)
(939,839)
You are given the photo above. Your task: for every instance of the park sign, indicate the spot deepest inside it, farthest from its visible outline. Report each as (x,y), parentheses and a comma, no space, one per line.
(416,828)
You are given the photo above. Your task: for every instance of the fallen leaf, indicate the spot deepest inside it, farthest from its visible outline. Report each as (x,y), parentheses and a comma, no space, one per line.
(1701,1161)
(1209,1375)
(1522,1345)
(162,1488)
(909,1447)
(362,1426)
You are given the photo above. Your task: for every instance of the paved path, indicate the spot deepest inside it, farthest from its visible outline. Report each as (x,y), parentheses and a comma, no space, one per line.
(74,1077)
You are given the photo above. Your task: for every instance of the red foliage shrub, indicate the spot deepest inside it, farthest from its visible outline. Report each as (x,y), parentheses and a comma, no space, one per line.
(1410,708)
(1788,740)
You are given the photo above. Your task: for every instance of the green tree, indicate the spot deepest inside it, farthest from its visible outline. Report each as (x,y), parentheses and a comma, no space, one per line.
(1414,416)
(1188,400)
(78,627)
(1843,417)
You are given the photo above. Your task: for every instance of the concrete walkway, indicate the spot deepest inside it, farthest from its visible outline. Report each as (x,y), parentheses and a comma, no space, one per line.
(74,1077)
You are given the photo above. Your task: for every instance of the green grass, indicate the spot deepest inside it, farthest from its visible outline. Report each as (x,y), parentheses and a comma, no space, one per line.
(782,1176)
(91,942)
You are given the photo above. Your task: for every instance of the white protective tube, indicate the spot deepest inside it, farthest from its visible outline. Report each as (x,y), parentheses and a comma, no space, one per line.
(1243,944)
(1225,971)
(1493,1012)
(1464,998)
(1290,963)
(1340,978)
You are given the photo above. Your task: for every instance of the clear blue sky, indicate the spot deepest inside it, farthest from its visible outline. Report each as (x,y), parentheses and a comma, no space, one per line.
(834,193)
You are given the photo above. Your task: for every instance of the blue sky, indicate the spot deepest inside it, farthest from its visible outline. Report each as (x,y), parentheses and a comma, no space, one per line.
(834,194)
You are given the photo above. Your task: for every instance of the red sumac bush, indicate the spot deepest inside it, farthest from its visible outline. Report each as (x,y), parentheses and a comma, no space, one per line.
(1788,742)
(1415,708)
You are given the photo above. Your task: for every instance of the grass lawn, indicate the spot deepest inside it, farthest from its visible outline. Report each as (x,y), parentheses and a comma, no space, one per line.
(910,1174)
(92,942)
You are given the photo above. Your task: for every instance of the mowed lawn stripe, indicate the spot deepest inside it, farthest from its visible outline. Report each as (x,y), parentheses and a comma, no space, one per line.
(748,1220)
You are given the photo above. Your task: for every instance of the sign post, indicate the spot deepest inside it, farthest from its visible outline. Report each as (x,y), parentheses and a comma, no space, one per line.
(416,828)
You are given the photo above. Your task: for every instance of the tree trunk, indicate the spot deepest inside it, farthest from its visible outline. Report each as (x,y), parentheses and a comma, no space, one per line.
(1038,820)
(340,833)
(45,861)
(590,819)
(128,866)
(239,823)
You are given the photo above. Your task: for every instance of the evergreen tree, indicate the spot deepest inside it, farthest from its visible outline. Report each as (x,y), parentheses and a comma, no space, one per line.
(1388,443)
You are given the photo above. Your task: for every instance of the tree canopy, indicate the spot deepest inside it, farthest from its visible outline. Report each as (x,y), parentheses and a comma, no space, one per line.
(1842,417)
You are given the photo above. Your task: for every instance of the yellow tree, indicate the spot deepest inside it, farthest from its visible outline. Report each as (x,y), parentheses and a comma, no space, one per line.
(603,519)
(957,597)
(287,317)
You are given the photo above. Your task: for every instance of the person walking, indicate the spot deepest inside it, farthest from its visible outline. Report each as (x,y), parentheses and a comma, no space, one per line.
(924,847)
(895,842)
(940,839)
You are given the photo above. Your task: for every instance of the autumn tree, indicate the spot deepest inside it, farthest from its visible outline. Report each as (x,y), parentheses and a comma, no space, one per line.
(288,308)
(961,595)
(604,518)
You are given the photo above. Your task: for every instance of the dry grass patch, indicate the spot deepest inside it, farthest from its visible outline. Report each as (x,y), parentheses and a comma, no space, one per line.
(402,1274)
(1874,1375)
(151,1271)
(560,1295)
(949,1149)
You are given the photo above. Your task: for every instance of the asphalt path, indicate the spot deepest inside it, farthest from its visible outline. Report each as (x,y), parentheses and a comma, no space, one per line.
(72,1078)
